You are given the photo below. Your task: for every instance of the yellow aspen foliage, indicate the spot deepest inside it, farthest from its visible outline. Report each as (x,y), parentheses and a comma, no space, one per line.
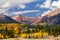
(9,28)
(22,31)
(0,27)
(31,29)
(15,35)
(42,24)
(1,36)
(39,34)
(23,35)
(35,34)
(31,35)
(16,31)
(4,28)
(45,34)
(19,35)
(7,36)
(25,30)
(22,24)
(15,28)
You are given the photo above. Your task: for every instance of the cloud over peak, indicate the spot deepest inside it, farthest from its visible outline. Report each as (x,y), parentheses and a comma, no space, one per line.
(48,4)
(56,4)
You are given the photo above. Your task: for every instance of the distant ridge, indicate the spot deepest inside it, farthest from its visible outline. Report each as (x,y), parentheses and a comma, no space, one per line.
(52,18)
(6,19)
(54,12)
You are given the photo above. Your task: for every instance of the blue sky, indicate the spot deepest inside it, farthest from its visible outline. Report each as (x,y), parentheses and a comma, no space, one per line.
(32,8)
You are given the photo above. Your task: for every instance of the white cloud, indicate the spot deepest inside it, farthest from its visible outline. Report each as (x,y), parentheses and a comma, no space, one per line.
(46,4)
(2,10)
(22,6)
(52,6)
(46,13)
(21,12)
(9,3)
(26,11)
(17,1)
(6,5)
(56,4)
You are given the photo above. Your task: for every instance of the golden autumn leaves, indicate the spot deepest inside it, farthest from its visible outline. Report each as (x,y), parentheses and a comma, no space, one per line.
(14,30)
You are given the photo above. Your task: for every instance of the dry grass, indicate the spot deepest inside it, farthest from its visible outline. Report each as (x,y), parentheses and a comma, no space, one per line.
(56,38)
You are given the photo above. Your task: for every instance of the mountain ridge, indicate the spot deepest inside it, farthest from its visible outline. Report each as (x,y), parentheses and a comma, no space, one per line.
(51,18)
(6,19)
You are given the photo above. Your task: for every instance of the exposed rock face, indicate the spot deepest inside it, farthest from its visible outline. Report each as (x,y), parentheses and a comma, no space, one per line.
(53,17)
(54,12)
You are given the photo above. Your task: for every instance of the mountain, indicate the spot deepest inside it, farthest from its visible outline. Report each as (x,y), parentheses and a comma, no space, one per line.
(17,18)
(6,19)
(24,19)
(54,12)
(28,20)
(52,18)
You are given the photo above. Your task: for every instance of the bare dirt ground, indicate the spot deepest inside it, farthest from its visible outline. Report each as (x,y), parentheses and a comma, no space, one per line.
(30,39)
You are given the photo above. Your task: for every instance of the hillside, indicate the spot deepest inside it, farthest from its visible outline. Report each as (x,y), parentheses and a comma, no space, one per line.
(6,19)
